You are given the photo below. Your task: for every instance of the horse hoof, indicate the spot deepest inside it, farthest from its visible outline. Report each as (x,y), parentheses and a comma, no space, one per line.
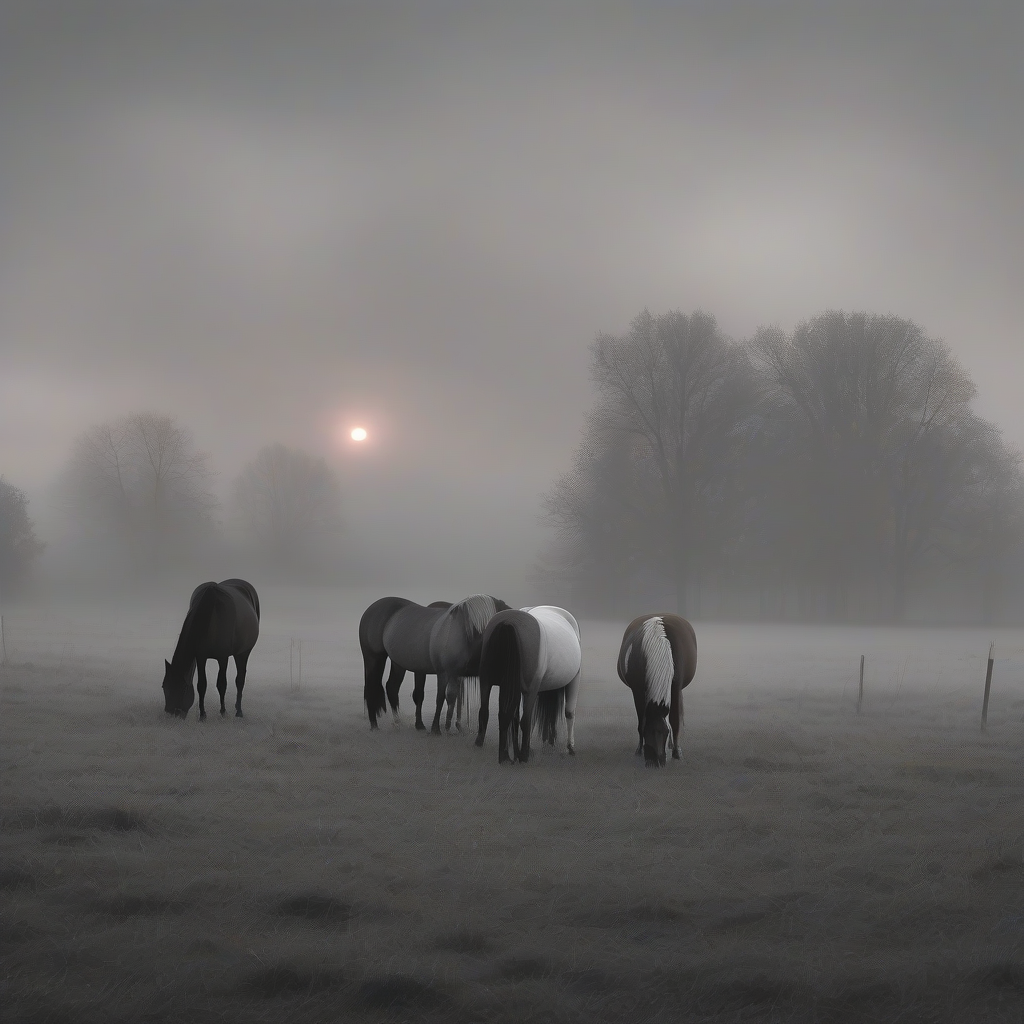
(571,751)
(202,716)
(676,756)
(479,741)
(238,713)
(458,728)
(435,730)
(223,711)
(421,727)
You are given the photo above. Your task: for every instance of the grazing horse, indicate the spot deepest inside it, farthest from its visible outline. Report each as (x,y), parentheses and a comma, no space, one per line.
(455,644)
(534,658)
(223,621)
(399,629)
(658,657)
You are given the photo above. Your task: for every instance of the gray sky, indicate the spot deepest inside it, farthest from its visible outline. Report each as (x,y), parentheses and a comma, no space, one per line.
(275,221)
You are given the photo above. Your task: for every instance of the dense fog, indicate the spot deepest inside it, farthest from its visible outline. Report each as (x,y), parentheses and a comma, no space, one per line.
(232,235)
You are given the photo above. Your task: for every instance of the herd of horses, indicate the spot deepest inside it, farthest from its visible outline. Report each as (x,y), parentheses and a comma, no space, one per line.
(532,655)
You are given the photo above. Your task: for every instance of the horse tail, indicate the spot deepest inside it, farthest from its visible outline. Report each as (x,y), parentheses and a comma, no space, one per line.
(550,705)
(371,644)
(501,663)
(470,690)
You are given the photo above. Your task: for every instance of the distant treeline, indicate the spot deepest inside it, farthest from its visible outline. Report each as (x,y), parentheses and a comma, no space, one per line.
(134,502)
(835,472)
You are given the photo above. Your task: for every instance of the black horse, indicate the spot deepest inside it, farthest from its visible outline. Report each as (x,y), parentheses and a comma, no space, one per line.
(399,629)
(223,621)
(658,657)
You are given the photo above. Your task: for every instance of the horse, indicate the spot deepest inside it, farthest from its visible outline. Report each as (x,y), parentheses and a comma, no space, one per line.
(455,644)
(658,657)
(535,659)
(399,629)
(223,621)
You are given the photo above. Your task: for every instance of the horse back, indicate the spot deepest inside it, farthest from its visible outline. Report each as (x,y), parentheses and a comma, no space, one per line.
(373,621)
(510,629)
(406,636)
(248,591)
(560,656)
(683,639)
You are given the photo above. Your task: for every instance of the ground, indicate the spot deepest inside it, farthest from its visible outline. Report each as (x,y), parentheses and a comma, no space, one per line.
(802,862)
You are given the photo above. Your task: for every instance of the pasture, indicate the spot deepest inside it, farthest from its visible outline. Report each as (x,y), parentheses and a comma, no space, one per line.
(800,863)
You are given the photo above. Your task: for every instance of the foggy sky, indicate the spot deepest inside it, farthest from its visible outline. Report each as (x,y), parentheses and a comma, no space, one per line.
(275,221)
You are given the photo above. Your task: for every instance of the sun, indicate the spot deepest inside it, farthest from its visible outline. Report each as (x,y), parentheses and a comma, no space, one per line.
(358,434)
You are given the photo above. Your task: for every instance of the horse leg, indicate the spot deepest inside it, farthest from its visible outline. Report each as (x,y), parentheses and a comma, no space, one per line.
(640,700)
(453,693)
(572,692)
(373,690)
(675,719)
(395,678)
(420,682)
(442,685)
(222,684)
(241,664)
(485,711)
(201,686)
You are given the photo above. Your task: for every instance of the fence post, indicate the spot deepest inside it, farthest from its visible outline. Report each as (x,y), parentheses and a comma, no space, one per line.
(988,686)
(3,638)
(860,692)
(300,661)
(291,671)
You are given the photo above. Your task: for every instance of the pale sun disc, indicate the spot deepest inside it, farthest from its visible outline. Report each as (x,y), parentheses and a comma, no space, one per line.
(358,434)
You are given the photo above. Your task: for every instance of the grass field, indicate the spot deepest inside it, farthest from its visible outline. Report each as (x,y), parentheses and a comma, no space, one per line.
(802,862)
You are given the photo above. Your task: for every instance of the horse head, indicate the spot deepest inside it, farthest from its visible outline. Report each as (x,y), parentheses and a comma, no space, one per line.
(179,693)
(656,735)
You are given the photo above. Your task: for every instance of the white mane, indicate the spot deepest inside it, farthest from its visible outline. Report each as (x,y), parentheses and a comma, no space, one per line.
(660,663)
(478,610)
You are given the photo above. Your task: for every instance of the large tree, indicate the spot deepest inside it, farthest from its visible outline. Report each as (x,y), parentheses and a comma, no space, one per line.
(141,481)
(289,504)
(19,546)
(653,476)
(881,436)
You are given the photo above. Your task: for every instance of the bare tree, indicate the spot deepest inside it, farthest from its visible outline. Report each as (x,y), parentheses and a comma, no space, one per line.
(141,481)
(289,503)
(19,546)
(883,429)
(673,398)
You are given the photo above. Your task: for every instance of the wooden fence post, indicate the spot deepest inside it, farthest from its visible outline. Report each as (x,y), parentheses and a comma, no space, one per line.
(988,686)
(3,638)
(860,692)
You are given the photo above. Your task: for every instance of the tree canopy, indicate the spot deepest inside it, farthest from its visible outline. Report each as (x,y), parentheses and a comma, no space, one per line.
(843,456)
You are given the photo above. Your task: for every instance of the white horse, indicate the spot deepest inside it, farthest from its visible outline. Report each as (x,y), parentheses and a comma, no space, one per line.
(535,659)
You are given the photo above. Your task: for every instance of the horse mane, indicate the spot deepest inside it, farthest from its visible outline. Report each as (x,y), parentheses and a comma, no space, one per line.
(660,663)
(478,610)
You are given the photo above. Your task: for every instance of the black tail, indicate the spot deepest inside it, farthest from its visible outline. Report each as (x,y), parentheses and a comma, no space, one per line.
(373,683)
(503,667)
(550,704)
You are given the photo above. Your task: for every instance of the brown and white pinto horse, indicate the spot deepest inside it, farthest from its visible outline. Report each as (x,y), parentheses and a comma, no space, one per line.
(658,657)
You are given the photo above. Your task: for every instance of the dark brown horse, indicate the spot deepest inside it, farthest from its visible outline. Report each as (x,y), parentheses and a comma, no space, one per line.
(658,657)
(399,629)
(223,622)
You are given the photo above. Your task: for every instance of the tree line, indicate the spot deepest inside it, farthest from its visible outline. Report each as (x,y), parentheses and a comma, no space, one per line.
(842,460)
(136,493)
